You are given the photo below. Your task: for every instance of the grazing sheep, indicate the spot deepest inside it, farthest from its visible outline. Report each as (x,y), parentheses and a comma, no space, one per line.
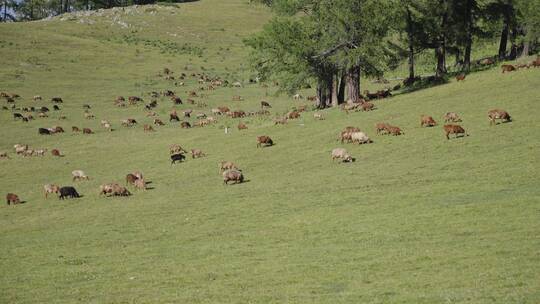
(395,130)
(242,126)
(187,113)
(507,68)
(4,155)
(148,128)
(56,152)
(75,129)
(264,140)
(79,175)
(28,153)
(360,137)
(232,175)
(451,117)
(185,125)
(265,104)
(177,158)
(176,100)
(12,198)
(454,129)
(381,127)
(108,126)
(498,114)
(140,184)
(57,100)
(37,98)
(68,192)
(89,116)
(17,116)
(42,115)
(56,108)
(158,122)
(226,165)
(87,131)
(318,116)
(223,110)
(131,178)
(196,153)
(50,188)
(341,153)
(173,116)
(104,189)
(176,149)
(427,121)
(40,152)
(43,131)
(293,115)
(280,121)
(19,149)
(367,106)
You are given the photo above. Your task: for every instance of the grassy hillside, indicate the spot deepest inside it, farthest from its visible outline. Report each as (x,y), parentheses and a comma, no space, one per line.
(416,219)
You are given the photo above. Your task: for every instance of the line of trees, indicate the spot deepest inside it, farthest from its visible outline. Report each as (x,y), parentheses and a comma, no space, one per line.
(27,10)
(331,43)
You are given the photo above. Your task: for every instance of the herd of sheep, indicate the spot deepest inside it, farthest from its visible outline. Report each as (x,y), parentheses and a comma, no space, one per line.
(229,171)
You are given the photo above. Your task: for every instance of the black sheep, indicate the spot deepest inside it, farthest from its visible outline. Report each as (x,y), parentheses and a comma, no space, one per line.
(68,191)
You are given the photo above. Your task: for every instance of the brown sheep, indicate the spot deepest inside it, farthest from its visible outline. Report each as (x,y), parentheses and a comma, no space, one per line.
(131,178)
(507,68)
(226,165)
(148,128)
(56,152)
(427,121)
(196,153)
(75,129)
(223,110)
(395,130)
(140,184)
(50,188)
(264,140)
(185,125)
(242,126)
(158,122)
(381,127)
(176,149)
(498,114)
(12,198)
(451,117)
(460,77)
(173,116)
(87,131)
(345,136)
(454,129)
(367,106)
(232,175)
(293,115)
(79,175)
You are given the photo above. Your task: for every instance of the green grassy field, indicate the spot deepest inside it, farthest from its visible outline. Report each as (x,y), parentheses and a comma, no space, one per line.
(416,219)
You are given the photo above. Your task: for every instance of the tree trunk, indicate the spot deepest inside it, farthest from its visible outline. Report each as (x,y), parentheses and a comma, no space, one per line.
(468,40)
(411,43)
(526,47)
(353,83)
(440,53)
(335,101)
(504,41)
(514,47)
(341,90)
(324,91)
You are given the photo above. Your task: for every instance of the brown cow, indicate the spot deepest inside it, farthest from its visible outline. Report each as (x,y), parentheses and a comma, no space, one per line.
(498,114)
(12,198)
(427,121)
(264,140)
(454,129)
